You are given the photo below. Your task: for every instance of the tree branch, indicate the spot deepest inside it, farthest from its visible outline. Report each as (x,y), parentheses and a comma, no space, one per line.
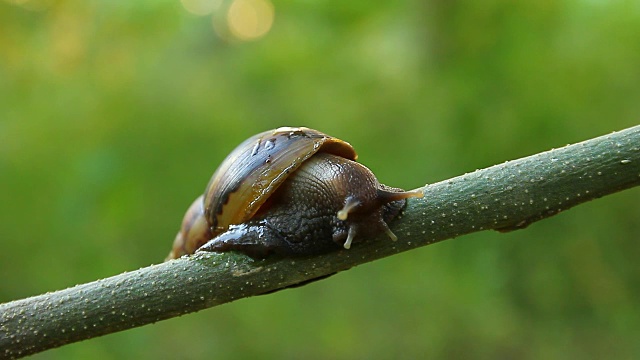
(504,197)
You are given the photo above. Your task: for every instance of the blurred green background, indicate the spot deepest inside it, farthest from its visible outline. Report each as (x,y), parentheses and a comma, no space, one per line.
(113,115)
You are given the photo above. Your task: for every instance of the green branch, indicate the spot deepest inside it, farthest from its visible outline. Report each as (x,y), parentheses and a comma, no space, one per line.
(504,197)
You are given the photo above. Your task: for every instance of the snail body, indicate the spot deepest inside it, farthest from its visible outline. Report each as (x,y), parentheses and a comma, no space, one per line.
(290,191)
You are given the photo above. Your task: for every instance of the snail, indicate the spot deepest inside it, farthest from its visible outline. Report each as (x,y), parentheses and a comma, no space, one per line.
(289,191)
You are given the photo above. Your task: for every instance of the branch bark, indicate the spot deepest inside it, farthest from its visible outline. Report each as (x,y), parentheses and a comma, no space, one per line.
(504,197)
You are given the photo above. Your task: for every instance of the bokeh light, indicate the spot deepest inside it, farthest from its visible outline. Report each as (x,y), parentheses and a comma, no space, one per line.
(201,7)
(243,20)
(250,19)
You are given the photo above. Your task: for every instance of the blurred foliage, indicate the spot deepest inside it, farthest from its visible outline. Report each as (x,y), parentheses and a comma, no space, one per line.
(114,114)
